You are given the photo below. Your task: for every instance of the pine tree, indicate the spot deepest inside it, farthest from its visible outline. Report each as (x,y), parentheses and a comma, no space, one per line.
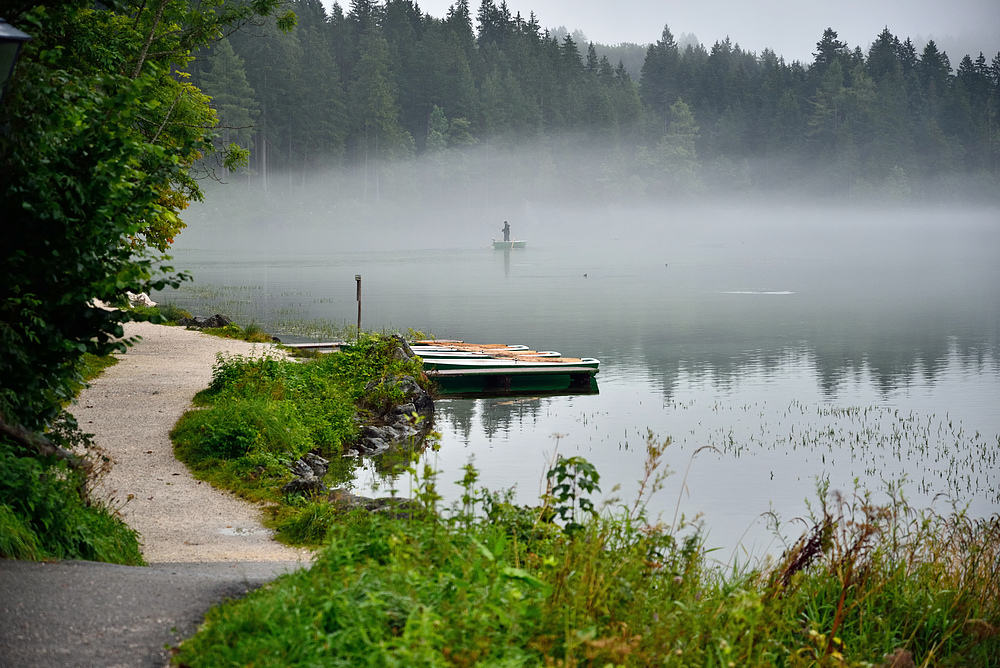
(233,99)
(933,70)
(320,128)
(829,49)
(373,109)
(658,81)
(437,131)
(883,59)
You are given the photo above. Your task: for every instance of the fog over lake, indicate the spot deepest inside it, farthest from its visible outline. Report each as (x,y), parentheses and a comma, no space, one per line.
(801,340)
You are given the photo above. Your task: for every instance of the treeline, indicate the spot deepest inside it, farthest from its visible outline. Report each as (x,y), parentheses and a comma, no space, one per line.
(383,81)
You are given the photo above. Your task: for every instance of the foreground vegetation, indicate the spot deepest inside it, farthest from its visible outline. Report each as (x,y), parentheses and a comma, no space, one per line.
(45,510)
(491,584)
(99,149)
(260,414)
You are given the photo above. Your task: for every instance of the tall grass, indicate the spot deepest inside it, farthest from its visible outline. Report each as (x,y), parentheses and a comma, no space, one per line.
(487,583)
(42,515)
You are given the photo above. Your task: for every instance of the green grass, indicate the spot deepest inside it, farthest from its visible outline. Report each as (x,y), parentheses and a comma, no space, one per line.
(165,312)
(42,515)
(94,366)
(261,413)
(252,333)
(491,584)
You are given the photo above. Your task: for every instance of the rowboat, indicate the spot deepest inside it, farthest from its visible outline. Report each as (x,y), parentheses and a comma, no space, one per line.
(497,369)
(464,354)
(520,365)
(434,346)
(507,245)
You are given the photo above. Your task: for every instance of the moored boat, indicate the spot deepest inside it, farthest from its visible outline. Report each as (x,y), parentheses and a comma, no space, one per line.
(548,365)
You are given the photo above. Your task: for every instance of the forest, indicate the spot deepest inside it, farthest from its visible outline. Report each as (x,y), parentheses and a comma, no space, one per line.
(383,82)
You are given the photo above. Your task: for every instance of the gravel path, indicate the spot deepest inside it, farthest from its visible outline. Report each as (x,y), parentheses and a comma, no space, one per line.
(203,545)
(131,409)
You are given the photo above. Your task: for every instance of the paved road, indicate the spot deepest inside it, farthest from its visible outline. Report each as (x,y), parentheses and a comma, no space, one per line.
(83,614)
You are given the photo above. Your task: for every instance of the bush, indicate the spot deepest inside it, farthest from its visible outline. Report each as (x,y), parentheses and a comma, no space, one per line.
(233,429)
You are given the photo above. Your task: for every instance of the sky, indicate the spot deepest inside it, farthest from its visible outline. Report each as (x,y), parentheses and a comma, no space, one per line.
(790,27)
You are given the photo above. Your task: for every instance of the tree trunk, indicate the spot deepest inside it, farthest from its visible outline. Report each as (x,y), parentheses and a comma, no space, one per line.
(47,448)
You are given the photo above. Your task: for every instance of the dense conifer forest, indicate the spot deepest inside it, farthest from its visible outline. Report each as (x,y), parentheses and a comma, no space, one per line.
(380,82)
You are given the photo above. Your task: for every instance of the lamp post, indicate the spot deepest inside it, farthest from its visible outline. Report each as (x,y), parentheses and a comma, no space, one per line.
(11,41)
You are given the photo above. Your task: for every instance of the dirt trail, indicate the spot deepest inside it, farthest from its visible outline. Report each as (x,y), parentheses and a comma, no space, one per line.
(130,409)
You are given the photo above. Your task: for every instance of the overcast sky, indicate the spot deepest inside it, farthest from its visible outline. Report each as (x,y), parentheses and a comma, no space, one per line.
(789,27)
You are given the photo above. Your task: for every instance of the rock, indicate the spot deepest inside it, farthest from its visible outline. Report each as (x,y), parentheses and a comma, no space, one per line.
(141,299)
(318,465)
(405,410)
(308,471)
(199,322)
(216,321)
(399,426)
(300,469)
(371,432)
(310,486)
(372,446)
(416,395)
(400,508)
(402,350)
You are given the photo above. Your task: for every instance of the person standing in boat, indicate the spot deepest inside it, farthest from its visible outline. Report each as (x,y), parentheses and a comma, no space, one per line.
(506,231)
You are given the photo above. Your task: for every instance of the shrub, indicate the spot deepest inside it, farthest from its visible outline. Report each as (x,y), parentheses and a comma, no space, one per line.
(233,429)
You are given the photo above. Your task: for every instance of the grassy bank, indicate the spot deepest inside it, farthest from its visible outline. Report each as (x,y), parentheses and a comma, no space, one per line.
(261,414)
(491,584)
(45,510)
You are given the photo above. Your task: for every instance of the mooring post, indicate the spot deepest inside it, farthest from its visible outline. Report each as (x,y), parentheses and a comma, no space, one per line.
(357,277)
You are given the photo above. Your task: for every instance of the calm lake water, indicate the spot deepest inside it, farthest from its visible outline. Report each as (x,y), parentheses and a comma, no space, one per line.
(798,343)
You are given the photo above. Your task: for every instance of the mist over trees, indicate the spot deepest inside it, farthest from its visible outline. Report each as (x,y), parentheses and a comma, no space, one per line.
(377,84)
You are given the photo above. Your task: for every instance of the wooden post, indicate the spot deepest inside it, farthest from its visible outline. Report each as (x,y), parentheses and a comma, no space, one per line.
(357,277)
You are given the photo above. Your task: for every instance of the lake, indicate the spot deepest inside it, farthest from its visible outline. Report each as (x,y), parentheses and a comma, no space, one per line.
(799,343)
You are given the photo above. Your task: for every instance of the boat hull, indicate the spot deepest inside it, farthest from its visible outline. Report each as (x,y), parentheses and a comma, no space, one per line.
(536,365)
(507,245)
